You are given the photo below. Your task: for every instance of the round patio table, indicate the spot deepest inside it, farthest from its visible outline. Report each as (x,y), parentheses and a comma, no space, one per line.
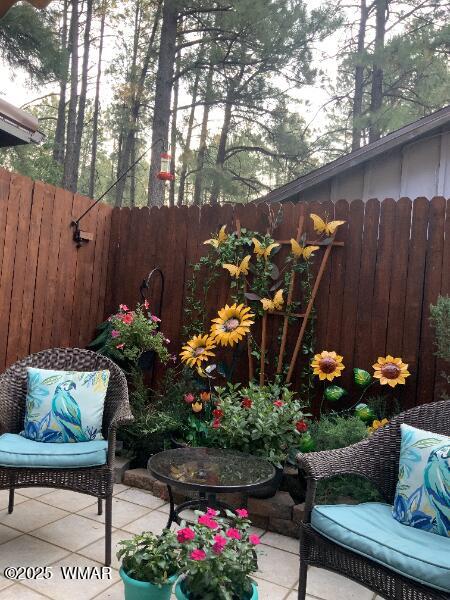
(208,471)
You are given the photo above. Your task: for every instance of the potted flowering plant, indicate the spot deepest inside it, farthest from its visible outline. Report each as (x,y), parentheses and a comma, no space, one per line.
(218,558)
(149,565)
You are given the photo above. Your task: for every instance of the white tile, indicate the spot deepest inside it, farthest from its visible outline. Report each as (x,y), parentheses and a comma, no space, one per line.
(277,566)
(141,497)
(282,542)
(76,588)
(115,592)
(154,521)
(270,591)
(72,532)
(27,551)
(4,583)
(96,550)
(30,515)
(68,500)
(165,508)
(6,533)
(330,586)
(122,512)
(294,596)
(118,488)
(20,592)
(4,498)
(33,492)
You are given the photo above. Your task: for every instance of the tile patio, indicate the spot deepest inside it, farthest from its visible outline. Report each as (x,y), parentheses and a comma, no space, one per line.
(61,528)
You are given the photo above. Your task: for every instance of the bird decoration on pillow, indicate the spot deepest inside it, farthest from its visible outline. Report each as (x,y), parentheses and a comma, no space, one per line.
(67,414)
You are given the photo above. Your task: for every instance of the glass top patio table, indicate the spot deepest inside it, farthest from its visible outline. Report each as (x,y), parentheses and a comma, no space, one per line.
(211,469)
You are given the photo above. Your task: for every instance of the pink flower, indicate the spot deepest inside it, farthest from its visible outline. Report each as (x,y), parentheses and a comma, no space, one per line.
(216,424)
(233,533)
(242,513)
(128,318)
(120,346)
(219,544)
(198,554)
(278,403)
(189,398)
(211,512)
(208,522)
(167,340)
(185,535)
(254,539)
(155,319)
(115,333)
(124,307)
(146,304)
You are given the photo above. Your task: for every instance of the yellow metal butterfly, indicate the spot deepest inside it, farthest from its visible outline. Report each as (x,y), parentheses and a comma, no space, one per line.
(238,270)
(261,250)
(322,226)
(302,251)
(221,237)
(275,304)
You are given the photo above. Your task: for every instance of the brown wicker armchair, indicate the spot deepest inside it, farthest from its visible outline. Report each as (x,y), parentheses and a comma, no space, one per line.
(376,459)
(96,481)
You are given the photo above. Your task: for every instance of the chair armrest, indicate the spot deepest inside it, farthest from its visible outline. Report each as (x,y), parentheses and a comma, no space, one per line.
(122,416)
(352,460)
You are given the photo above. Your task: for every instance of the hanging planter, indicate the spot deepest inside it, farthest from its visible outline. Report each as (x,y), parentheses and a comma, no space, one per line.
(165,174)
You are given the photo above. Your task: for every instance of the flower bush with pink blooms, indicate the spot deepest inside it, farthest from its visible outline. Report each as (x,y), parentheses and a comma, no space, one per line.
(218,556)
(134,332)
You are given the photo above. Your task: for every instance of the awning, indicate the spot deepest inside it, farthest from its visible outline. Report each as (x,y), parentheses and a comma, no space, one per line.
(17,126)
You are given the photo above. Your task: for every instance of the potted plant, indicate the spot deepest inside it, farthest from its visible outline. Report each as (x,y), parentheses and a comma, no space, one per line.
(264,421)
(150,565)
(218,557)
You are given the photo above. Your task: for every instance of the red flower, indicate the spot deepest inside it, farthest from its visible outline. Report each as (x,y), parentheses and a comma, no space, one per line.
(254,539)
(246,403)
(198,554)
(208,522)
(128,318)
(219,544)
(216,424)
(185,535)
(217,413)
(211,512)
(233,533)
(278,403)
(189,398)
(242,513)
(301,426)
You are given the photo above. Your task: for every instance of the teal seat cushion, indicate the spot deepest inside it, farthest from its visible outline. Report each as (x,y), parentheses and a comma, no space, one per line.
(369,529)
(17,451)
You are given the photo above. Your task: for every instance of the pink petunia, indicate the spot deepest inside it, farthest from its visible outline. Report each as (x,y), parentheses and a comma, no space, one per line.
(155,319)
(115,333)
(198,554)
(254,539)
(242,513)
(185,535)
(120,346)
(219,544)
(128,318)
(208,522)
(211,512)
(146,304)
(233,533)
(124,307)
(189,398)
(278,403)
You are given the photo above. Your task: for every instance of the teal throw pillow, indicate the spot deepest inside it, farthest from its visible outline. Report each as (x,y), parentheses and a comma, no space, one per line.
(422,499)
(64,406)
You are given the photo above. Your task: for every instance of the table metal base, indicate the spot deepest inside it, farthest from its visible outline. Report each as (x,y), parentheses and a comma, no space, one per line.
(203,502)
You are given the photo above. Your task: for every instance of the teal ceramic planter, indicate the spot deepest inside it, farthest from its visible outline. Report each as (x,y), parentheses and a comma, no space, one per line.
(181,596)
(143,590)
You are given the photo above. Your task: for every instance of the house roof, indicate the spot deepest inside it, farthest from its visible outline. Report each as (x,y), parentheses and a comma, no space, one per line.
(17,126)
(392,140)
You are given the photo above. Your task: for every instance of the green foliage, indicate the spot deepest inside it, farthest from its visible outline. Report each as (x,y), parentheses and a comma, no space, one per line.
(223,572)
(251,422)
(150,558)
(440,320)
(383,406)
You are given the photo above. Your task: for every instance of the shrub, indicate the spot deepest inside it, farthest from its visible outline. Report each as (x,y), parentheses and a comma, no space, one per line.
(440,320)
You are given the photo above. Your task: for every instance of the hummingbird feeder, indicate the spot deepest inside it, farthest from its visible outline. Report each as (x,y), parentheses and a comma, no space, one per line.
(165,174)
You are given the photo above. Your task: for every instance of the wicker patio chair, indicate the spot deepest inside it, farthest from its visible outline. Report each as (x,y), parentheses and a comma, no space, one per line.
(376,459)
(96,481)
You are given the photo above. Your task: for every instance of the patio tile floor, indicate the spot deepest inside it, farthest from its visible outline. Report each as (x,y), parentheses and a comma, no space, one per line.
(61,528)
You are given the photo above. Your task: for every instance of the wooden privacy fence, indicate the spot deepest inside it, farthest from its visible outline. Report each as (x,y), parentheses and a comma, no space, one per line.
(374,298)
(375,294)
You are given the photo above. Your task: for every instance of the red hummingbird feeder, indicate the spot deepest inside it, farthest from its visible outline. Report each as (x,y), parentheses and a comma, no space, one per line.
(165,174)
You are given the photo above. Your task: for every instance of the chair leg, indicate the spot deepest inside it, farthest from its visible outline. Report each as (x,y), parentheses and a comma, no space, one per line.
(108,527)
(11,500)
(303,574)
(100,507)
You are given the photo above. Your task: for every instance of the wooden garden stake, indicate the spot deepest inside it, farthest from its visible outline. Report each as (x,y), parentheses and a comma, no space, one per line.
(251,371)
(289,301)
(263,349)
(308,310)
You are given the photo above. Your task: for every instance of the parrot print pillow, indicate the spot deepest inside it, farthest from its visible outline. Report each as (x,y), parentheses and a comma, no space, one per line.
(422,499)
(64,406)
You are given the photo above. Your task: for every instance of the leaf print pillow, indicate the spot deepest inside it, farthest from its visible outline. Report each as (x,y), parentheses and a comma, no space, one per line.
(422,498)
(64,406)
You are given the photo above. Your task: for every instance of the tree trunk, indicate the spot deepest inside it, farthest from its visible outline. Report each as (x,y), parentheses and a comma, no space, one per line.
(83,92)
(376,96)
(173,133)
(133,175)
(96,106)
(60,132)
(163,91)
(359,79)
(72,111)
(203,138)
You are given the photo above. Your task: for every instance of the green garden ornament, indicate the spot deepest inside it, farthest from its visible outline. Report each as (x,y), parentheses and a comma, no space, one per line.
(333,393)
(306,443)
(362,378)
(365,413)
